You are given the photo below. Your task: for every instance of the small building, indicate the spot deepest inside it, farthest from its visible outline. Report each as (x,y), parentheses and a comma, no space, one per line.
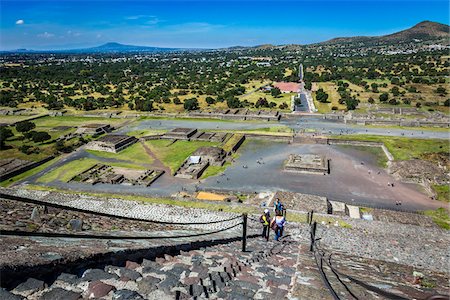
(180,133)
(112,143)
(94,129)
(307,163)
(288,87)
(214,155)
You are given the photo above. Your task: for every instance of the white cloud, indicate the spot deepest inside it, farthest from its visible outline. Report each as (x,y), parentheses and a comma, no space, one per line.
(46,35)
(73,33)
(20,22)
(147,19)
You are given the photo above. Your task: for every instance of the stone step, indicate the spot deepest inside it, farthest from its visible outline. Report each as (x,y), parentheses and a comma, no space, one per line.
(221,271)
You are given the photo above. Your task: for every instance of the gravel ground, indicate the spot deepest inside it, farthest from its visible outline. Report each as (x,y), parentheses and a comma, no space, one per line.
(422,247)
(134,209)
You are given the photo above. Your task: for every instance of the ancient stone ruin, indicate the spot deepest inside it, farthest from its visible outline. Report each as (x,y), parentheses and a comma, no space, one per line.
(307,163)
(199,161)
(193,134)
(112,143)
(101,173)
(94,129)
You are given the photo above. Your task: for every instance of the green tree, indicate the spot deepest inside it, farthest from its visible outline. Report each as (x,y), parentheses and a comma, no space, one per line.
(40,137)
(210,100)
(441,90)
(233,102)
(351,103)
(384,97)
(25,126)
(275,92)
(191,104)
(5,133)
(321,96)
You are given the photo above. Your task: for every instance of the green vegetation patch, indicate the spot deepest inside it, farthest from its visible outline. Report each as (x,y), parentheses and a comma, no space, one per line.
(74,121)
(174,154)
(231,142)
(440,216)
(443,192)
(375,151)
(28,173)
(133,154)
(68,171)
(403,148)
(73,168)
(145,132)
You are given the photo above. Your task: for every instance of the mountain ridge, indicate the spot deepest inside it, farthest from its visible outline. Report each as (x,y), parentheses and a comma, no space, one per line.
(423,31)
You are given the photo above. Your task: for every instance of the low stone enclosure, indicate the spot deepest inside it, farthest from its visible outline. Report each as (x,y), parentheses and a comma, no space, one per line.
(421,120)
(322,205)
(100,173)
(307,163)
(94,129)
(225,114)
(112,143)
(11,167)
(194,166)
(194,135)
(239,114)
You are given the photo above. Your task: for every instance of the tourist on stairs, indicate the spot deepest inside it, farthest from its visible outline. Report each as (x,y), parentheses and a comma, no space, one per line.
(277,224)
(265,221)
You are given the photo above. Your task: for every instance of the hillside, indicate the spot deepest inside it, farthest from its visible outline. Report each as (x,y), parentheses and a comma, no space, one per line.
(423,31)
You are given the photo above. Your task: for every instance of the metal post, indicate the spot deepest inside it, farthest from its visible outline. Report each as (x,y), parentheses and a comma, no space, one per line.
(311,216)
(244,232)
(313,236)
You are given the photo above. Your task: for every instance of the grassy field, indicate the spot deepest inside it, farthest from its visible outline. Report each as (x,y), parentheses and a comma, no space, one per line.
(283,98)
(145,132)
(403,148)
(215,170)
(14,119)
(281,130)
(135,154)
(425,93)
(375,151)
(69,170)
(51,122)
(173,155)
(331,89)
(229,144)
(443,192)
(440,216)
(28,173)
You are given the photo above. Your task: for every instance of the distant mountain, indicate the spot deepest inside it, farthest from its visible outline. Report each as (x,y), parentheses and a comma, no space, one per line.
(120,48)
(105,48)
(423,31)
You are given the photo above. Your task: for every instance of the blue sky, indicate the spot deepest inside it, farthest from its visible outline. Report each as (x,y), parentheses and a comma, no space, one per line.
(67,24)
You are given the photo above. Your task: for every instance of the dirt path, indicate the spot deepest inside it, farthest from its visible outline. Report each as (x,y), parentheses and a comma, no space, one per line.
(157,164)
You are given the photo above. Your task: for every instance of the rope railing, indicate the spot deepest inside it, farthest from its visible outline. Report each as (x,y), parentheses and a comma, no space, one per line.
(106,237)
(65,207)
(317,251)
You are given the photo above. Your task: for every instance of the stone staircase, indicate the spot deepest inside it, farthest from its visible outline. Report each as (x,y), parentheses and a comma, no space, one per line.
(265,270)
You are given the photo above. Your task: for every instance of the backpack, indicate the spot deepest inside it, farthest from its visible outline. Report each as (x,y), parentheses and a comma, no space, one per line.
(273,224)
(263,220)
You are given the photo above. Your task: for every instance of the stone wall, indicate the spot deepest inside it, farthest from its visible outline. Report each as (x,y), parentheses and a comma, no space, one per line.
(25,168)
